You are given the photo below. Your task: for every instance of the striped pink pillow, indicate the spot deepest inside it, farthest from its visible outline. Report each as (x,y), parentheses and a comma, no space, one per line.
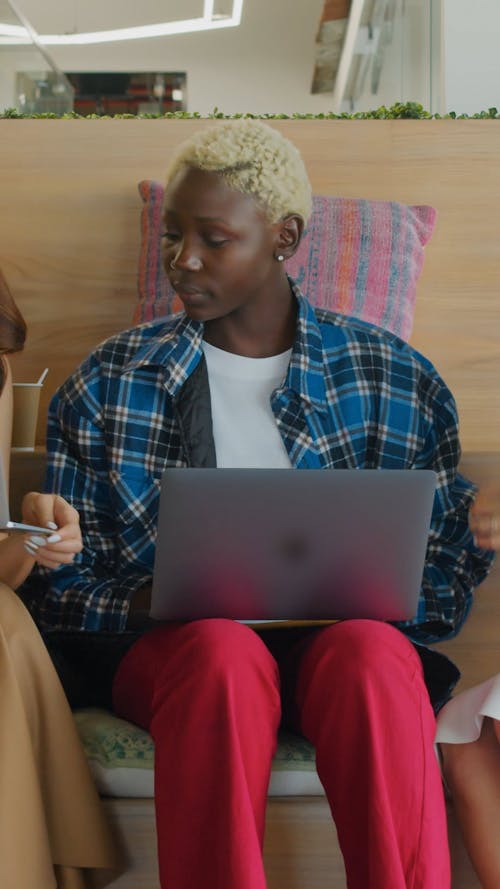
(357,257)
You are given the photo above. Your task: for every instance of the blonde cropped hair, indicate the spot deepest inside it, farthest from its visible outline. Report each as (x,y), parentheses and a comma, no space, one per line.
(254,159)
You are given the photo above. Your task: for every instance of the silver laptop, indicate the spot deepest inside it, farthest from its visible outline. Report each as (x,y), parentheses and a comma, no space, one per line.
(288,544)
(5,521)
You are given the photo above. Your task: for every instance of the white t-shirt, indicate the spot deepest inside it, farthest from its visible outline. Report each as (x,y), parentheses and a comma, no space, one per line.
(244,428)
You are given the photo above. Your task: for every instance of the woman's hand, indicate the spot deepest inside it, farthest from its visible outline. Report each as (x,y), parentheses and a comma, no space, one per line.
(484,519)
(51,511)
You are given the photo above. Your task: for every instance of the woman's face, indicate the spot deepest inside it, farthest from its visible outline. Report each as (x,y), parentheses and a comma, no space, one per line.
(219,248)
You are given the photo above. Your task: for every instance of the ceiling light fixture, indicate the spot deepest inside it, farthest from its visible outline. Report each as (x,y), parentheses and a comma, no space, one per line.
(209,21)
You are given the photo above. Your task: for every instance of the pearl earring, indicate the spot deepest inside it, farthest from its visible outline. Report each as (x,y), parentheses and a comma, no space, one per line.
(280,257)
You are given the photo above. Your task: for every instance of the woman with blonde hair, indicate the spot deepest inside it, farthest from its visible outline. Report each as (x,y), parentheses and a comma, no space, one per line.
(252,374)
(52,829)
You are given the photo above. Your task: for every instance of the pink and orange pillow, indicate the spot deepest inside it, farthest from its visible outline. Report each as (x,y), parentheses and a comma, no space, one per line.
(358,257)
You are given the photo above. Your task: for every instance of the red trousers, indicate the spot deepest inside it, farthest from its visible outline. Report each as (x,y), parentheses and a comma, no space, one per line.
(212,694)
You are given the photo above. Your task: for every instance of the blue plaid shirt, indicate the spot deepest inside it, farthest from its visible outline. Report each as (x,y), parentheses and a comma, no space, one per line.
(354,396)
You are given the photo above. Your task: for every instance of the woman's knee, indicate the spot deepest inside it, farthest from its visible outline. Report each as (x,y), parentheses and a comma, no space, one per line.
(199,650)
(365,645)
(221,645)
(191,660)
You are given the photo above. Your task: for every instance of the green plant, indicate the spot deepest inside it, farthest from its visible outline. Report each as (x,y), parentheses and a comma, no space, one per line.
(398,111)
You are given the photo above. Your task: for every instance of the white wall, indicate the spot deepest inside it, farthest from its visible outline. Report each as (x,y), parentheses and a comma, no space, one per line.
(472,70)
(266,65)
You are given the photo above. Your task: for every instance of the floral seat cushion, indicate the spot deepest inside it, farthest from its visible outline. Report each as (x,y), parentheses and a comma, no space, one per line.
(121,758)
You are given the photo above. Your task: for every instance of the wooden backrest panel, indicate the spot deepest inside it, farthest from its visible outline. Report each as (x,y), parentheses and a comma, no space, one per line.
(69,234)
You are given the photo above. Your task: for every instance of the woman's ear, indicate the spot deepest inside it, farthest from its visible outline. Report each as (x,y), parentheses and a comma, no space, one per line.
(289,233)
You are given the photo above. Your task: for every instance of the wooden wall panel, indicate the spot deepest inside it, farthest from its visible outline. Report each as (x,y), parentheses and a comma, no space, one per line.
(69,233)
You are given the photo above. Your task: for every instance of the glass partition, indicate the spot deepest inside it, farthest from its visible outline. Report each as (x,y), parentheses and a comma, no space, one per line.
(377,52)
(30,81)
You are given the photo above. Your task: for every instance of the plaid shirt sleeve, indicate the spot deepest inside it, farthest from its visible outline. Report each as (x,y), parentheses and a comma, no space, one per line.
(454,566)
(93,592)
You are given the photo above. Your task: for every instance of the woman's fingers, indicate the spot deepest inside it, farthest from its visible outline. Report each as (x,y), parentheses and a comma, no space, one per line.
(64,513)
(51,554)
(51,510)
(48,559)
(38,509)
(48,511)
(485,526)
